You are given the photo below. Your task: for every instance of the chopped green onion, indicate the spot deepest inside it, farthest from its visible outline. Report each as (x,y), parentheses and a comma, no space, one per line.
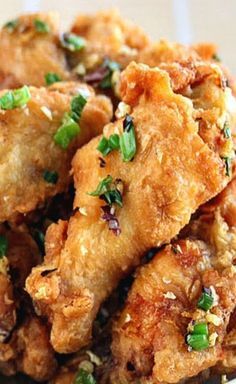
(227,130)
(111,67)
(105,146)
(51,78)
(197,342)
(70,128)
(11,25)
(84,377)
(73,42)
(206,301)
(41,26)
(128,140)
(3,246)
(216,57)
(50,176)
(102,187)
(15,99)
(200,329)
(77,105)
(227,161)
(67,131)
(114,141)
(113,196)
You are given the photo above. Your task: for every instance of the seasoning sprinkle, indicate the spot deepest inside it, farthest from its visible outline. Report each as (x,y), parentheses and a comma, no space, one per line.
(41,26)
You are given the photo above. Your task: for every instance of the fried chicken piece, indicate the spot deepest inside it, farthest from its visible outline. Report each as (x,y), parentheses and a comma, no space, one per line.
(28,148)
(28,54)
(24,344)
(108,35)
(149,337)
(172,173)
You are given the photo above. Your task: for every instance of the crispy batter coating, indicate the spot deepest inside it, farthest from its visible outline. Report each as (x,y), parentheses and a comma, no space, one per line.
(108,35)
(172,173)
(24,345)
(149,337)
(27,55)
(28,147)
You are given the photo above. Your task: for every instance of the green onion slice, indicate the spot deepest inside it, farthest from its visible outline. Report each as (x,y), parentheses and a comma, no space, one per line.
(51,78)
(197,342)
(66,132)
(50,177)
(227,130)
(73,42)
(77,105)
(11,25)
(105,146)
(128,140)
(41,26)
(108,191)
(84,377)
(200,329)
(206,301)
(15,99)
(102,187)
(3,246)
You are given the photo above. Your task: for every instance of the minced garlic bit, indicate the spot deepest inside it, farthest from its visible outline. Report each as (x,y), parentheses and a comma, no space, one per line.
(80,69)
(94,358)
(4,265)
(212,339)
(215,296)
(47,112)
(83,211)
(169,295)
(224,379)
(87,366)
(166,281)
(41,294)
(123,109)
(214,319)
(127,318)
(83,249)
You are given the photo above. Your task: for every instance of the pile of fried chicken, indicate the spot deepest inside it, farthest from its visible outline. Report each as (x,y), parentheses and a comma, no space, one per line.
(117,205)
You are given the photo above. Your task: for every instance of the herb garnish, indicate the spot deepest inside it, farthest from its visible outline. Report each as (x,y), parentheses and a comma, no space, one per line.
(11,25)
(51,78)
(72,42)
(70,127)
(227,161)
(126,142)
(3,246)
(41,26)
(216,57)
(84,377)
(15,99)
(111,192)
(102,77)
(206,300)
(50,176)
(227,130)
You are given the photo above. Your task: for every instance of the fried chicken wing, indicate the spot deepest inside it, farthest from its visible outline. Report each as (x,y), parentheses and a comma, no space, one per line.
(29,49)
(149,339)
(172,173)
(28,148)
(107,34)
(24,343)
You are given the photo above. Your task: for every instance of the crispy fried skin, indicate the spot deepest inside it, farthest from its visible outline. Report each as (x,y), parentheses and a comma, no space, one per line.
(149,337)
(24,346)
(108,35)
(172,173)
(27,136)
(27,55)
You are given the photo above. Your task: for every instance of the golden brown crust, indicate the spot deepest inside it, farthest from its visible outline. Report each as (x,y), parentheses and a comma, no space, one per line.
(149,337)
(119,39)
(27,134)
(172,173)
(26,55)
